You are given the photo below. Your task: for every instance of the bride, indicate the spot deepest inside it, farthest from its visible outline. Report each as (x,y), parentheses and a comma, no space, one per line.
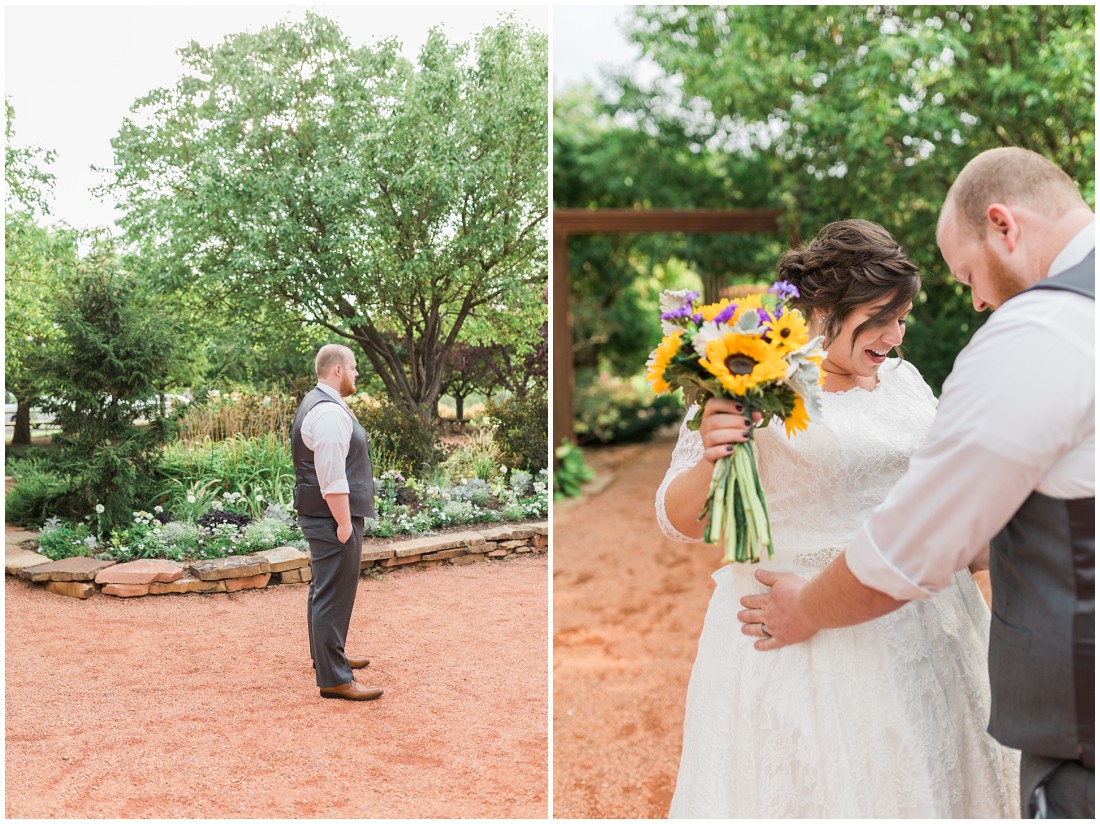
(882,720)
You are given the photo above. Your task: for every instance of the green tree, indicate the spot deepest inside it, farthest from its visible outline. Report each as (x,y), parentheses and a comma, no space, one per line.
(35,259)
(366,195)
(110,360)
(870,111)
(646,160)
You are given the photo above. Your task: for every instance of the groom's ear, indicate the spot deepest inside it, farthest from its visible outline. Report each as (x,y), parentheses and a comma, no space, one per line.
(1002,228)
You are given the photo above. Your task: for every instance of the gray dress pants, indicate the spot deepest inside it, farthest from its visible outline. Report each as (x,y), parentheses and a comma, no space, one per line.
(1055,788)
(331,595)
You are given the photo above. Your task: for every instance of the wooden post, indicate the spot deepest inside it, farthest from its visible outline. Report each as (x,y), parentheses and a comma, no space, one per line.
(609,221)
(562,428)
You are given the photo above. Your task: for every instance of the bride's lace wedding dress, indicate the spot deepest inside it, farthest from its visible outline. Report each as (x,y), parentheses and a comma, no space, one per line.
(881,720)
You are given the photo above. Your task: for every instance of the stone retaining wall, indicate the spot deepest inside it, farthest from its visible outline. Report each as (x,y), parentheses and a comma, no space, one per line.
(84,577)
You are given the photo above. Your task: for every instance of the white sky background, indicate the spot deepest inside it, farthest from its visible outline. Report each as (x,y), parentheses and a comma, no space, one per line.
(72,72)
(589,40)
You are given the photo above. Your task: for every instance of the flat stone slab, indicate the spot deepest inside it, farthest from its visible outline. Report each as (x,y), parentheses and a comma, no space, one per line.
(446,553)
(376,554)
(542,528)
(67,569)
(238,566)
(296,576)
(463,560)
(437,543)
(145,571)
(392,562)
(126,590)
(73,589)
(188,583)
(509,533)
(251,582)
(282,558)
(16,559)
(20,536)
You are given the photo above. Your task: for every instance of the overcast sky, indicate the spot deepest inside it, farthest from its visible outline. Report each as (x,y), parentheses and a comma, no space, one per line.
(72,72)
(588,40)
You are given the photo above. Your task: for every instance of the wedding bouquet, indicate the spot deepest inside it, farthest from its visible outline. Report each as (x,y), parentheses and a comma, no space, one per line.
(755,350)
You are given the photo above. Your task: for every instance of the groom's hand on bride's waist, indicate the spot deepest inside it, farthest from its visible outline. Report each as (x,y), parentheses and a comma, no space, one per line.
(775,617)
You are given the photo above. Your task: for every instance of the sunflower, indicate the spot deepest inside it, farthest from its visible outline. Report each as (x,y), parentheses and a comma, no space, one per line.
(789,332)
(712,310)
(745,304)
(658,361)
(798,419)
(742,361)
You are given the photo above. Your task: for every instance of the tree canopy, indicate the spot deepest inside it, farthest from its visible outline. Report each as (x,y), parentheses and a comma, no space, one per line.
(36,258)
(862,111)
(392,203)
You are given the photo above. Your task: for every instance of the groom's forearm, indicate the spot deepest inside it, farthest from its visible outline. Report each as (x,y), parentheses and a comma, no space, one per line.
(836,598)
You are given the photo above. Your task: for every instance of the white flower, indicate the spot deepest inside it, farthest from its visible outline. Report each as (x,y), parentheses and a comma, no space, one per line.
(802,376)
(158,509)
(748,323)
(707,332)
(259,497)
(100,508)
(190,499)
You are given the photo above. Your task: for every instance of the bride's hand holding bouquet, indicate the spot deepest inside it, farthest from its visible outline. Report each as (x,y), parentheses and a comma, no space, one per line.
(754,352)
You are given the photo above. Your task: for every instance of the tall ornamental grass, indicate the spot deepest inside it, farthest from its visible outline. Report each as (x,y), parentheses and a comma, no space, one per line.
(243,414)
(259,468)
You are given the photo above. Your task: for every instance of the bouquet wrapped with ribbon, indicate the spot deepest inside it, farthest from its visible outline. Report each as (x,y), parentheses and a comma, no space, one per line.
(757,351)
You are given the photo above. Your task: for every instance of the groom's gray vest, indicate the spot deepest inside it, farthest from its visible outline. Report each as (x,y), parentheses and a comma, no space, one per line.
(1042,640)
(307,491)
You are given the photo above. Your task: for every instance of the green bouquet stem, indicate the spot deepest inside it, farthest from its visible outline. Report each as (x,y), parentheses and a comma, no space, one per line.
(738,514)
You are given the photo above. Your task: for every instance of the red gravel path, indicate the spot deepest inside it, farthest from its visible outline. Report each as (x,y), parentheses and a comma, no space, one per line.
(628,608)
(204,706)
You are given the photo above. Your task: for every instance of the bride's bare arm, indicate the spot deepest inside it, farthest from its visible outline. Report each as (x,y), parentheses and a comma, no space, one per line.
(722,425)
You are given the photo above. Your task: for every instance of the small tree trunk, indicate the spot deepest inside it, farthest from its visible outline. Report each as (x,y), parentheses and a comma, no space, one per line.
(459,401)
(22,434)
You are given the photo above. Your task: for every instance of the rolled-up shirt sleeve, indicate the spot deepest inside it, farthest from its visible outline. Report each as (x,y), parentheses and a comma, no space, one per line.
(1019,403)
(326,431)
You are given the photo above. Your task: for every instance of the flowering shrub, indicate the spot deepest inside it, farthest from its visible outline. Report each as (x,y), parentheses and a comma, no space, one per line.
(204,523)
(142,538)
(522,496)
(57,540)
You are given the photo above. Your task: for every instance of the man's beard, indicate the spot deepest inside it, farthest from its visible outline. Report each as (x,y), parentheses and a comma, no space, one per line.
(347,387)
(1003,282)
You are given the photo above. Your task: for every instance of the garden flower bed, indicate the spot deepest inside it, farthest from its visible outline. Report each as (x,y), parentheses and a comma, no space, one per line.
(84,576)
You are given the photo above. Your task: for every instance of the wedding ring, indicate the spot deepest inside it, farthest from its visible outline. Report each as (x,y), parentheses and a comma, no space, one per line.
(764,630)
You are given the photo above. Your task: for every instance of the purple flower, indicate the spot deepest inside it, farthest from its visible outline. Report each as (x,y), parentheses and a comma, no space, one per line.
(725,314)
(682,312)
(783,290)
(764,316)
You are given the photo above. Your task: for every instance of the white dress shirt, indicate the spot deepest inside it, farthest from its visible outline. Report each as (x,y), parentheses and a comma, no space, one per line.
(326,431)
(1017,415)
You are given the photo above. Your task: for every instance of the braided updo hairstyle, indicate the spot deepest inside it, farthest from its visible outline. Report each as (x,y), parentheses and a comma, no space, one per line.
(849,264)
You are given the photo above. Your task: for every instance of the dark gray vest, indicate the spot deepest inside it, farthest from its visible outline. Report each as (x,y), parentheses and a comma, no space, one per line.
(307,492)
(1042,639)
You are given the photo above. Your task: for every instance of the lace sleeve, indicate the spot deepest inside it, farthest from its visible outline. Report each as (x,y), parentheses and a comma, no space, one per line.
(688,452)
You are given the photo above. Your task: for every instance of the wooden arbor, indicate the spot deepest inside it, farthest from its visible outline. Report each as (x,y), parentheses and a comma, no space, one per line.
(605,221)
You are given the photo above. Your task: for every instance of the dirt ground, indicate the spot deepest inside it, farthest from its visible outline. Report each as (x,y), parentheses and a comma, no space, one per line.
(628,608)
(204,706)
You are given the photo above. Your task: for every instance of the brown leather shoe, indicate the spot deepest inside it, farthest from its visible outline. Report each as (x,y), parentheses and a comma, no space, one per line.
(357,663)
(352,691)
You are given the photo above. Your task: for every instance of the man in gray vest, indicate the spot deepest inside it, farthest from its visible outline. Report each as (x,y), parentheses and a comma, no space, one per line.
(333,494)
(1010,461)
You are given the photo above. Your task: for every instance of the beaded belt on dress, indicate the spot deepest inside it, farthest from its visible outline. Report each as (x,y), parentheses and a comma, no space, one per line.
(817,559)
